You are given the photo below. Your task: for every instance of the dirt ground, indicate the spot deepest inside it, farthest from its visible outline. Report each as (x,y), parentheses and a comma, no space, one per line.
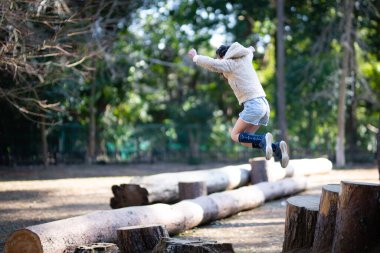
(34,195)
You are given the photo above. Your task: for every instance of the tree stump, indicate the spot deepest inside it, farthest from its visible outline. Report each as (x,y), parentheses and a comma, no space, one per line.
(324,231)
(357,227)
(263,170)
(301,218)
(140,238)
(192,190)
(94,248)
(173,245)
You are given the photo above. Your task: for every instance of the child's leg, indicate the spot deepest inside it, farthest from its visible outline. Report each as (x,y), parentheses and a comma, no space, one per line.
(242,127)
(243,133)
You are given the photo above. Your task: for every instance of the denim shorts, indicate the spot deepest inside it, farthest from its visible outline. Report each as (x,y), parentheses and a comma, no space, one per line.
(256,111)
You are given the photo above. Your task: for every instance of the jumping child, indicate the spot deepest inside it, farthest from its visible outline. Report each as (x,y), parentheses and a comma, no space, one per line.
(235,63)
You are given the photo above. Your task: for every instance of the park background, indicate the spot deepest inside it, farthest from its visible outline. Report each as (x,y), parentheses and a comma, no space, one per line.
(95,92)
(110,81)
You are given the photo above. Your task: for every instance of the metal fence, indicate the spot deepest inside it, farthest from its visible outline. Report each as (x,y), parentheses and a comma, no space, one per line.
(145,143)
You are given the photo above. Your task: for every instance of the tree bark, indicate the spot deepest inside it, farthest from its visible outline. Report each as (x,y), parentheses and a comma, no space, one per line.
(164,187)
(324,231)
(378,147)
(140,238)
(91,150)
(347,52)
(98,226)
(173,245)
(191,190)
(45,153)
(358,218)
(96,247)
(280,63)
(300,222)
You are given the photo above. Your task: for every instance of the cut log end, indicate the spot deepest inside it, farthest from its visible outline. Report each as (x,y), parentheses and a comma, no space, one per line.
(128,195)
(23,241)
(140,238)
(301,218)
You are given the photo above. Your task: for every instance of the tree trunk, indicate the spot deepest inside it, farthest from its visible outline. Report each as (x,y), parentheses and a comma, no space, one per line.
(191,190)
(173,245)
(324,231)
(378,147)
(300,221)
(164,187)
(280,63)
(45,153)
(91,151)
(99,226)
(358,218)
(347,52)
(140,238)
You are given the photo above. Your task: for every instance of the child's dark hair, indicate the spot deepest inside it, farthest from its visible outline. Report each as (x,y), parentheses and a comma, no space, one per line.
(222,50)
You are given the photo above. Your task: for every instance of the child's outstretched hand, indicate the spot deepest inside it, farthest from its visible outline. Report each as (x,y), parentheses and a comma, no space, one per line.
(192,53)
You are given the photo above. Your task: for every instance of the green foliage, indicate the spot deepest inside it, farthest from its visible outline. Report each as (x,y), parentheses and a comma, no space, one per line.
(149,96)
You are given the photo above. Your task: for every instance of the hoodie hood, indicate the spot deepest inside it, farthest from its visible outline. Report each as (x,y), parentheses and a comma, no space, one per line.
(237,51)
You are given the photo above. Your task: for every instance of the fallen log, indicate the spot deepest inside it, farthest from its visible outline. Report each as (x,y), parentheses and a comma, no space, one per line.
(324,230)
(300,221)
(358,218)
(270,171)
(174,245)
(101,226)
(163,187)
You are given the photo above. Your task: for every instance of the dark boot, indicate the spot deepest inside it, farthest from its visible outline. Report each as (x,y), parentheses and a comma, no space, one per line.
(280,151)
(260,141)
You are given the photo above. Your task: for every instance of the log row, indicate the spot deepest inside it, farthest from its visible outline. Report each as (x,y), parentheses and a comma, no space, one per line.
(102,226)
(163,188)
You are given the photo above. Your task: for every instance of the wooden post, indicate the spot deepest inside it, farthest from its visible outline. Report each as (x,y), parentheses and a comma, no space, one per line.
(140,238)
(173,245)
(300,221)
(263,170)
(324,231)
(357,227)
(192,190)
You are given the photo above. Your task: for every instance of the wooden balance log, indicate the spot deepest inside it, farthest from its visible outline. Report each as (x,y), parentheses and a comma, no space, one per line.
(163,188)
(324,231)
(357,227)
(101,226)
(175,245)
(300,222)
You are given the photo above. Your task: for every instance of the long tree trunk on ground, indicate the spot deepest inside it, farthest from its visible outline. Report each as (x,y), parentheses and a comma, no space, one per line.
(347,53)
(101,226)
(280,62)
(91,127)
